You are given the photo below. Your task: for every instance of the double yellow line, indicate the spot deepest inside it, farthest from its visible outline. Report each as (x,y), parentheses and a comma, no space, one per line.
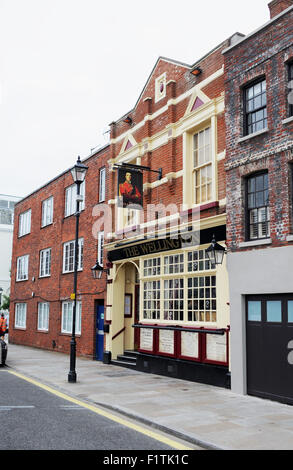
(169,442)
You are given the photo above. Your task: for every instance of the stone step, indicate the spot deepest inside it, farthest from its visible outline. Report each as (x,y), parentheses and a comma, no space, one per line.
(129,365)
(126,358)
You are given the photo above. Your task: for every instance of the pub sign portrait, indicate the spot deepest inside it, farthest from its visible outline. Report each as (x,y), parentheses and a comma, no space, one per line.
(130,188)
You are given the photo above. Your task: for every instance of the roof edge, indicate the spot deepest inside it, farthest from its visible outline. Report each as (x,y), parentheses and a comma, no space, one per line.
(265,25)
(60,174)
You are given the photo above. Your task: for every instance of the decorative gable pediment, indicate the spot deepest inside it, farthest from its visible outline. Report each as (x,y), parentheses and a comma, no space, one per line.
(128,142)
(197,100)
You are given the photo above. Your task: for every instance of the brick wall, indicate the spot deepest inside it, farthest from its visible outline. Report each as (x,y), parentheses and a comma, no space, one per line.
(169,156)
(58,286)
(264,54)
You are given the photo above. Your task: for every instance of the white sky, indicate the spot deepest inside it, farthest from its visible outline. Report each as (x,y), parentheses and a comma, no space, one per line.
(70,67)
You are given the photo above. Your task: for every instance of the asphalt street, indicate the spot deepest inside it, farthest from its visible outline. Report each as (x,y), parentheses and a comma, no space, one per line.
(35,419)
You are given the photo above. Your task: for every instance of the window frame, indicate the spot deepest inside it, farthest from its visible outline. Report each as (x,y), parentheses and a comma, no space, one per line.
(45,212)
(100,256)
(70,200)
(246,113)
(66,323)
(20,324)
(41,314)
(290,89)
(45,250)
(157,297)
(80,256)
(24,223)
(22,268)
(248,210)
(102,184)
(199,168)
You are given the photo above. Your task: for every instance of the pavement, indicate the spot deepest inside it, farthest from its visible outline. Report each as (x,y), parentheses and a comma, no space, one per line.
(204,415)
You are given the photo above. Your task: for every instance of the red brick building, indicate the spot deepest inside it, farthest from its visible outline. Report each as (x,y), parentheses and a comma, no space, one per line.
(259,156)
(158,282)
(43,262)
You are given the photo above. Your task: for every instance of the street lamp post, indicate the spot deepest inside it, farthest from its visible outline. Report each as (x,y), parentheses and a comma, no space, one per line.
(78,173)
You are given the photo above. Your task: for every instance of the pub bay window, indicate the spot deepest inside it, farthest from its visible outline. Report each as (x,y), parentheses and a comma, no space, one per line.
(258,212)
(184,291)
(255,107)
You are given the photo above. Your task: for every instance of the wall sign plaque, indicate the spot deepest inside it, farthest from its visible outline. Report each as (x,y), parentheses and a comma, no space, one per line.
(166,342)
(216,348)
(189,344)
(146,339)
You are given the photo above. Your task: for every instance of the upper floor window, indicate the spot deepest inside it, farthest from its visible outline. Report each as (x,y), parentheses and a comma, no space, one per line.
(70,198)
(47,211)
(258,212)
(22,268)
(255,107)
(100,248)
(24,223)
(69,256)
(45,262)
(102,185)
(202,165)
(290,86)
(6,212)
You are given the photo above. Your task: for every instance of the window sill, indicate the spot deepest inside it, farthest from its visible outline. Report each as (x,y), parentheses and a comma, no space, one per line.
(289,238)
(265,241)
(23,235)
(45,275)
(47,225)
(251,136)
(70,272)
(288,120)
(73,213)
(21,280)
(200,207)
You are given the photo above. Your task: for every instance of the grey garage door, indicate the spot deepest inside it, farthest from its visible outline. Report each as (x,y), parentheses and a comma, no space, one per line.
(269,346)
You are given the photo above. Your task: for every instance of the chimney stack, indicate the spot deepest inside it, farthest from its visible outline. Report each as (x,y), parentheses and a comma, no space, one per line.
(277,6)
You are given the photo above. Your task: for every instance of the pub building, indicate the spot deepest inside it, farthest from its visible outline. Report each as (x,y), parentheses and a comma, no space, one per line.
(167,306)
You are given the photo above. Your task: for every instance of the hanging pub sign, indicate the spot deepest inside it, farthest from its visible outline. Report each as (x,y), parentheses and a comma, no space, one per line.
(130,188)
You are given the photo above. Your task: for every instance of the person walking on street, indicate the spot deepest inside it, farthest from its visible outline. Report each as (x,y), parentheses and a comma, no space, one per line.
(3,326)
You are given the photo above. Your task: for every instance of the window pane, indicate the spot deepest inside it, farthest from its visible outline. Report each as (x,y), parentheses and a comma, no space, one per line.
(290,311)
(274,311)
(254,310)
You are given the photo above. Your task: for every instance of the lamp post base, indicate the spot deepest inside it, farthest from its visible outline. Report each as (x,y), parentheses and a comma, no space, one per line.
(72,371)
(72,377)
